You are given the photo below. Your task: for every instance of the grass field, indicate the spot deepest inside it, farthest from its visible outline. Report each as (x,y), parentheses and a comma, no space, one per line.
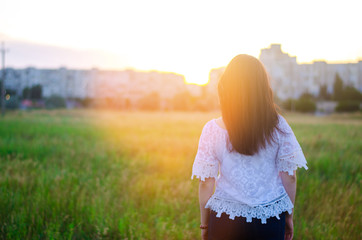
(126,175)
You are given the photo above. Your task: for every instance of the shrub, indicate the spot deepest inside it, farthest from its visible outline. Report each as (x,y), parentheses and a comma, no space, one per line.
(55,101)
(150,102)
(12,103)
(182,101)
(351,93)
(305,105)
(347,106)
(86,102)
(34,93)
(288,104)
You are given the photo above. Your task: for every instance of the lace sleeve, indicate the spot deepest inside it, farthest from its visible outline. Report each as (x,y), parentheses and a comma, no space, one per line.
(206,164)
(290,154)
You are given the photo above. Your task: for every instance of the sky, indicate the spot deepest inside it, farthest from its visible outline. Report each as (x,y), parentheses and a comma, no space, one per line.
(188,37)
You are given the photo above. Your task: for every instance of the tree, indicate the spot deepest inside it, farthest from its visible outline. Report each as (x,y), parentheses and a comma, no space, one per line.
(323,93)
(182,101)
(305,105)
(55,101)
(347,106)
(26,93)
(11,99)
(306,95)
(288,104)
(127,103)
(34,93)
(338,88)
(86,102)
(151,101)
(351,93)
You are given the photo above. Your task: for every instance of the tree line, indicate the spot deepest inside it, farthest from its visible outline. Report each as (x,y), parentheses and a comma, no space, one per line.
(348,98)
(33,97)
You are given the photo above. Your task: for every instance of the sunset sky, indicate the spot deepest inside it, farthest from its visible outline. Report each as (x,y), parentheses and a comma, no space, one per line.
(186,37)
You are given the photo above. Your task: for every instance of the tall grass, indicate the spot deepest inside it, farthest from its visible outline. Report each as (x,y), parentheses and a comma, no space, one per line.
(126,175)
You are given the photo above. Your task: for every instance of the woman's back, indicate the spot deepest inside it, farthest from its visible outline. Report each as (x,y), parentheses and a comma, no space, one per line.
(252,163)
(248,186)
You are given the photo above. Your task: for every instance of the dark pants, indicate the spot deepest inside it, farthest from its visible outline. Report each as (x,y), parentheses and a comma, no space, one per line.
(224,228)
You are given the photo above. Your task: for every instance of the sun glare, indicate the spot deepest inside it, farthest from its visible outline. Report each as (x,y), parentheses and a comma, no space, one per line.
(188,38)
(197,77)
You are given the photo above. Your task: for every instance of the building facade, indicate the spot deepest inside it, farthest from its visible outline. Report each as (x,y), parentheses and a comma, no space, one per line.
(97,84)
(289,79)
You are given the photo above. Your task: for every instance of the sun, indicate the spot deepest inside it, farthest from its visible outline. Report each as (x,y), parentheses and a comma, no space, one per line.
(197,77)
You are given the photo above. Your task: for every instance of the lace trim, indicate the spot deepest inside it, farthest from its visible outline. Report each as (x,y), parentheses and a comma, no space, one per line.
(204,170)
(292,162)
(237,209)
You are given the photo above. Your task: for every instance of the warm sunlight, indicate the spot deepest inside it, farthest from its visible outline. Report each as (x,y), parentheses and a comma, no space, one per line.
(188,37)
(109,109)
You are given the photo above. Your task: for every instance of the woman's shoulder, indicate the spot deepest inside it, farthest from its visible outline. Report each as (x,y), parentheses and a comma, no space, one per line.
(282,124)
(215,125)
(281,120)
(212,128)
(282,129)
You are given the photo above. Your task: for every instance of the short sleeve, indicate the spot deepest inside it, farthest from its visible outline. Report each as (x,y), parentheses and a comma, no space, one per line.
(206,164)
(290,155)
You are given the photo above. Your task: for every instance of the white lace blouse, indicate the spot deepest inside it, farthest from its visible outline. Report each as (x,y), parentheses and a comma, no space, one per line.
(248,186)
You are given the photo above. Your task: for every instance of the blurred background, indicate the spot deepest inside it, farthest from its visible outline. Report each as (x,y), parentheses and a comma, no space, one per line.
(169,55)
(103,103)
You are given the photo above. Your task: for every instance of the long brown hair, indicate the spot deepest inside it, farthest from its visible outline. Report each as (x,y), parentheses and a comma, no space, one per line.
(247,105)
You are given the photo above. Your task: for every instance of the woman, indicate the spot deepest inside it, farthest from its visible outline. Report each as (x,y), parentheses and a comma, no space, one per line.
(256,155)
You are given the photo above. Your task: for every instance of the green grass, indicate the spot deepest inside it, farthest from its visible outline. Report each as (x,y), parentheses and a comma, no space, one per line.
(126,175)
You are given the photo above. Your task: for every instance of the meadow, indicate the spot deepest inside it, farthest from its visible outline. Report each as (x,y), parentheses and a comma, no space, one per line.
(87,174)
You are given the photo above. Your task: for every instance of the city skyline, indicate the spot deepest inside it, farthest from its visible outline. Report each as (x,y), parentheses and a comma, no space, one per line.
(21,62)
(288,79)
(187,37)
